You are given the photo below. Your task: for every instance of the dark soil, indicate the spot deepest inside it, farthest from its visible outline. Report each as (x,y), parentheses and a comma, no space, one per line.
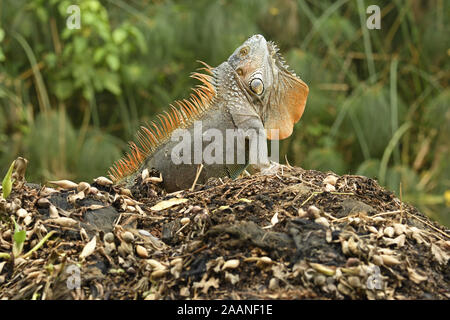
(295,235)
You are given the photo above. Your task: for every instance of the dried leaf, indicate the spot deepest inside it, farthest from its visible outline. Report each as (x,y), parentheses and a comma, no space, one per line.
(89,248)
(440,255)
(168,203)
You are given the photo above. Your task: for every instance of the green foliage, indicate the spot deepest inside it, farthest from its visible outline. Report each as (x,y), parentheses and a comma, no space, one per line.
(18,239)
(7,182)
(70,99)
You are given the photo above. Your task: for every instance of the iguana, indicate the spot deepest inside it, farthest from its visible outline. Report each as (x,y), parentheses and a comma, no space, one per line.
(253,89)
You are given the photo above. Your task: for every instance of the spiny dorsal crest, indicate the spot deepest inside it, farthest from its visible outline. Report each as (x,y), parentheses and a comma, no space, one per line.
(154,134)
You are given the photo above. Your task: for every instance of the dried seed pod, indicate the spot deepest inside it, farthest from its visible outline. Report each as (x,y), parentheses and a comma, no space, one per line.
(27,220)
(329,188)
(43,203)
(313,211)
(185,221)
(353,246)
(141,252)
(399,228)
(322,221)
(53,212)
(108,237)
(21,213)
(65,184)
(125,249)
(127,236)
(330,180)
(231,264)
(389,260)
(344,289)
(47,191)
(344,247)
(372,229)
(63,222)
(126,192)
(93,190)
(156,265)
(145,174)
(355,282)
(320,280)
(158,274)
(74,197)
(109,248)
(327,270)
(7,234)
(83,187)
(416,277)
(154,179)
(176,261)
(302,213)
(274,284)
(103,181)
(389,231)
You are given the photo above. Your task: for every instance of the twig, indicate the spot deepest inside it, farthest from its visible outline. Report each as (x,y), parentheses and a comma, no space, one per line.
(199,170)
(431,226)
(36,247)
(4,255)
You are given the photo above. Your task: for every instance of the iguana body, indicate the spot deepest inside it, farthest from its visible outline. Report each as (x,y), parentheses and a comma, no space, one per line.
(252,90)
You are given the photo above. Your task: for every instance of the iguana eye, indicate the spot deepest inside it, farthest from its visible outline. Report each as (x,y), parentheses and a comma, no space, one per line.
(257,86)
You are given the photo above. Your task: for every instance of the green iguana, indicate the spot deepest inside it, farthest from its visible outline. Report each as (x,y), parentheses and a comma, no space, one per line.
(252,90)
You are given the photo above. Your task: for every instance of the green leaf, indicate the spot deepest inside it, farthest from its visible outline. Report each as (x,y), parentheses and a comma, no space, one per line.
(113,62)
(19,239)
(7,182)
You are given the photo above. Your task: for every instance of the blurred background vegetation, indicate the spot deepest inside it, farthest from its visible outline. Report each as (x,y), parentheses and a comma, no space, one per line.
(378,103)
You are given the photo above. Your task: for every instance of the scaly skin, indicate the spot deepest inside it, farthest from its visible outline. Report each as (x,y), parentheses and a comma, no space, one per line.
(252,90)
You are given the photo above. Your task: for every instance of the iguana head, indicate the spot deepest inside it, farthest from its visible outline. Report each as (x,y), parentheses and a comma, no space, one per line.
(279,96)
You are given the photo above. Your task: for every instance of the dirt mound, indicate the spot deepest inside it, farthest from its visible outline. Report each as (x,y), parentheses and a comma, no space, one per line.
(295,235)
